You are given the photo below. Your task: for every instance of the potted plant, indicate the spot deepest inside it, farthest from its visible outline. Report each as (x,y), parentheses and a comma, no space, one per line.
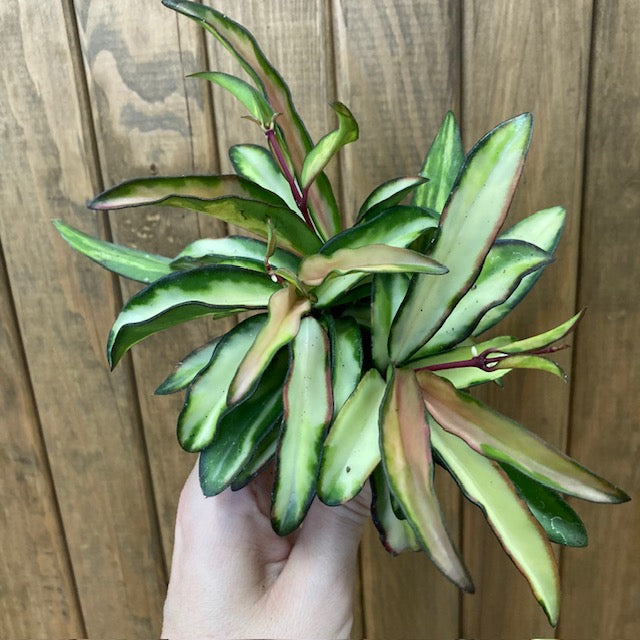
(355,363)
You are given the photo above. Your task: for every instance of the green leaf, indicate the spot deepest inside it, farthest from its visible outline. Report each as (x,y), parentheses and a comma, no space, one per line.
(286,309)
(188,368)
(263,455)
(375,258)
(209,291)
(389,289)
(389,194)
(532,362)
(408,466)
(441,166)
(239,250)
(347,358)
(244,47)
(397,226)
(308,408)
(229,198)
(255,163)
(253,101)
(504,440)
(396,534)
(542,340)
(508,516)
(351,451)
(318,158)
(206,398)
(468,227)
(561,523)
(242,428)
(542,229)
(129,263)
(507,262)
(464,377)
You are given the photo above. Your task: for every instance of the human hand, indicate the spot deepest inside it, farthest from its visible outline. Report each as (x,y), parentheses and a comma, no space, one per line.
(232,576)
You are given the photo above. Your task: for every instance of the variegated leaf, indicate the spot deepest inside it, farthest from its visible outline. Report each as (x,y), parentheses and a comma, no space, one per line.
(504,440)
(286,309)
(262,457)
(208,291)
(308,408)
(347,358)
(389,194)
(351,451)
(408,466)
(229,198)
(468,227)
(488,487)
(206,398)
(129,263)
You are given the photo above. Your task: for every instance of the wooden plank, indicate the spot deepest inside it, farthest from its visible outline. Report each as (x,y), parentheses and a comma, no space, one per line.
(38,593)
(397,69)
(89,417)
(527,56)
(150,120)
(601,591)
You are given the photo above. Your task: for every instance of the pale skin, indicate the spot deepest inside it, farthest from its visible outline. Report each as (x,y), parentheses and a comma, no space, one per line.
(233,577)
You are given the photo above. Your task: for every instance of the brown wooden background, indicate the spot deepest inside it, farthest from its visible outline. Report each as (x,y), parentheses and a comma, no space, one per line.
(93,92)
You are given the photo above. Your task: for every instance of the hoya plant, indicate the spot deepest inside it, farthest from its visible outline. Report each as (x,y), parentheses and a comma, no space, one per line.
(355,363)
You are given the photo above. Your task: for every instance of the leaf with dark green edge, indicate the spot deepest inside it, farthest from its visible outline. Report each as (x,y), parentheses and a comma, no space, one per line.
(397,226)
(532,362)
(374,258)
(255,163)
(188,368)
(262,457)
(129,263)
(351,451)
(388,292)
(518,532)
(235,38)
(206,398)
(286,309)
(357,294)
(228,198)
(408,466)
(507,262)
(504,440)
(441,166)
(327,147)
(542,340)
(468,226)
(253,101)
(462,377)
(345,340)
(395,534)
(542,229)
(216,291)
(561,523)
(247,251)
(241,429)
(389,194)
(308,408)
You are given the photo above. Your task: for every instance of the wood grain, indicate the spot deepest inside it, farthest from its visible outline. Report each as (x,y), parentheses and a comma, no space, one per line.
(601,590)
(89,417)
(39,599)
(150,120)
(527,56)
(397,69)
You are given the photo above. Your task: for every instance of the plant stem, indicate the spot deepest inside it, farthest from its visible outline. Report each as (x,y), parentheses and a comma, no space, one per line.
(299,197)
(488,362)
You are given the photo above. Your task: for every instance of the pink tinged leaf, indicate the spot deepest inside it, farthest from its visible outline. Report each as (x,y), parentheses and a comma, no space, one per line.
(376,258)
(285,312)
(408,464)
(504,440)
(519,533)
(469,224)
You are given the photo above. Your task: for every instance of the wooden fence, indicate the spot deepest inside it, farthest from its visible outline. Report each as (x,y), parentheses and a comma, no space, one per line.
(94,92)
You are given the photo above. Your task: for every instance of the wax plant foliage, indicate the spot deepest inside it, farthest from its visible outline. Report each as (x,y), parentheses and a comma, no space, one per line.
(355,365)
